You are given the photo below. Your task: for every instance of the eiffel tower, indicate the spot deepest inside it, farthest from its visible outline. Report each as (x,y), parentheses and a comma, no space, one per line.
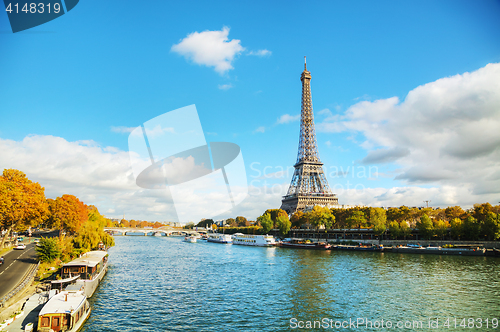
(309,186)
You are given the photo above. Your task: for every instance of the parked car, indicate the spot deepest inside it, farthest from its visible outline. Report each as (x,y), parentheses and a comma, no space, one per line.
(20,246)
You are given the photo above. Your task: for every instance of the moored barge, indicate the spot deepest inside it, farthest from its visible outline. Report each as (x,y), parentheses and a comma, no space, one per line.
(66,311)
(91,267)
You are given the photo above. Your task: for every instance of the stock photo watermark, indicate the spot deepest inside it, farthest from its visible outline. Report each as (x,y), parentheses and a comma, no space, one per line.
(169,153)
(385,324)
(25,14)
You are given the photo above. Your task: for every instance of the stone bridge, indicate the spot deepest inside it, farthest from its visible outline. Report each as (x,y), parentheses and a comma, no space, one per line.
(162,231)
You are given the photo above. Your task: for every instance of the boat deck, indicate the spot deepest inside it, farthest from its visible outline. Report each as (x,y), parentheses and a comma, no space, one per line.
(32,308)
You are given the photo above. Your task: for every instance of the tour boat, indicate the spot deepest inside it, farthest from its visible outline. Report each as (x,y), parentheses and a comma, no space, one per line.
(219,238)
(91,267)
(301,244)
(66,311)
(254,240)
(190,239)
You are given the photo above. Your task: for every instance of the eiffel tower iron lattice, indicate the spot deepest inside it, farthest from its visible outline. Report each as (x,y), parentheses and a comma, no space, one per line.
(309,186)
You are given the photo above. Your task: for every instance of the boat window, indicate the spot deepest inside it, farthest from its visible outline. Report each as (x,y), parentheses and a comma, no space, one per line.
(56,321)
(82,269)
(45,321)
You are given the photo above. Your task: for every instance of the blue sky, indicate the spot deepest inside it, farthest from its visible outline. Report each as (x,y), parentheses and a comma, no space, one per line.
(404,90)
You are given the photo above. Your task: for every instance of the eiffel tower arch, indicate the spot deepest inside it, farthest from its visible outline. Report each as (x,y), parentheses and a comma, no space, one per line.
(309,186)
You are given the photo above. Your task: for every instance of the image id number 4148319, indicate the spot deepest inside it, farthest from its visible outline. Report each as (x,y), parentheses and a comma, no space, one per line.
(471,323)
(33,8)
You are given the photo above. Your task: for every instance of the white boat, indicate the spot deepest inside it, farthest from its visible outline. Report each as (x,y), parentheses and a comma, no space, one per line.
(91,267)
(254,240)
(219,238)
(190,239)
(66,311)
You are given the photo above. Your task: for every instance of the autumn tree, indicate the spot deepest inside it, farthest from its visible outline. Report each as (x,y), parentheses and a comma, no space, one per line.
(440,227)
(242,221)
(456,228)
(297,219)
(67,212)
(22,202)
(453,212)
(231,222)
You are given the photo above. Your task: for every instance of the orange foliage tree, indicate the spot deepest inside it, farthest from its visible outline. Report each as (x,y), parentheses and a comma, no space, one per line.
(67,212)
(22,202)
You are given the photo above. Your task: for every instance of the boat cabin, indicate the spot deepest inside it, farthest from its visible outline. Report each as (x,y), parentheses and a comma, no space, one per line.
(65,311)
(87,266)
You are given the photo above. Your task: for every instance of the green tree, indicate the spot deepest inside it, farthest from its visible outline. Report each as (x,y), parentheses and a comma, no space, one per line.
(22,202)
(471,228)
(265,222)
(321,216)
(189,225)
(405,229)
(456,228)
(275,213)
(48,250)
(490,228)
(394,229)
(425,227)
(283,224)
(357,218)
(205,223)
(378,220)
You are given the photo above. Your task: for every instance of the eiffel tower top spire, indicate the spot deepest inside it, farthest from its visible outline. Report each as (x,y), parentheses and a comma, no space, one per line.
(308,149)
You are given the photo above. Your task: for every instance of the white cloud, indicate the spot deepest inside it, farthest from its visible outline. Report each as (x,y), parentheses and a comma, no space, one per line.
(260,129)
(121,129)
(99,176)
(210,48)
(225,86)
(158,130)
(287,118)
(444,133)
(260,53)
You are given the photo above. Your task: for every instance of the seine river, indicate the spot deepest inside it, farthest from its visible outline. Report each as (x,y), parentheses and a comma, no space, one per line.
(164,284)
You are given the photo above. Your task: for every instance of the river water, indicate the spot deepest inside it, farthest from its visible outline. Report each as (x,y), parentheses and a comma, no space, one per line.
(164,284)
